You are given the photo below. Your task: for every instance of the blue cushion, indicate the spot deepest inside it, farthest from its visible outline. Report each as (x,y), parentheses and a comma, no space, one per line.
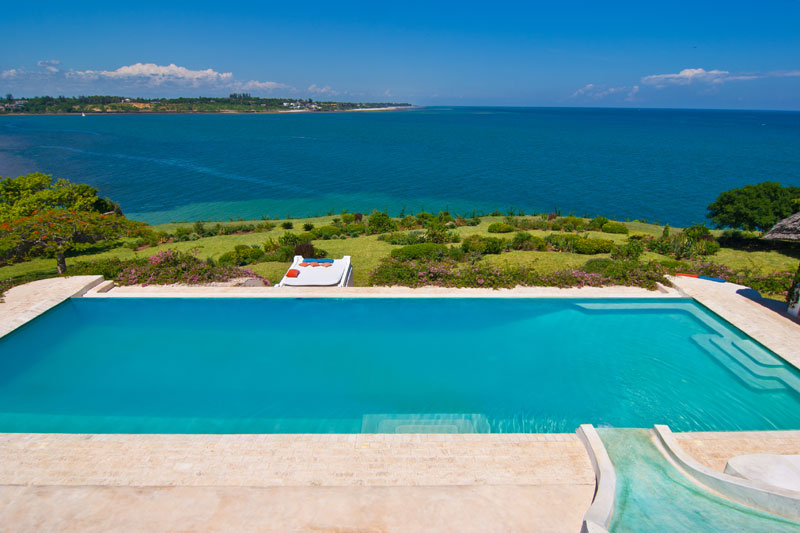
(317,260)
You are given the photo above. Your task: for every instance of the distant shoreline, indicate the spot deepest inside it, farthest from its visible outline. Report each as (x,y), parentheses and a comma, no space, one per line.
(232,112)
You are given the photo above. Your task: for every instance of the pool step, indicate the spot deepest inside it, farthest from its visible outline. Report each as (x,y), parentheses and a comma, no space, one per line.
(748,366)
(425,423)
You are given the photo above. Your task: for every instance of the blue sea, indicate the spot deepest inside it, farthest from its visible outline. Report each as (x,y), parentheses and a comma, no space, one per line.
(657,165)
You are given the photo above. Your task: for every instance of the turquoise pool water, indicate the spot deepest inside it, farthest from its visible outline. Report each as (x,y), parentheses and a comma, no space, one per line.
(119,365)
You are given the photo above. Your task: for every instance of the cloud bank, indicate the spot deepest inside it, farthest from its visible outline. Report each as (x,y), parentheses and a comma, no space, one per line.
(696,75)
(700,77)
(138,79)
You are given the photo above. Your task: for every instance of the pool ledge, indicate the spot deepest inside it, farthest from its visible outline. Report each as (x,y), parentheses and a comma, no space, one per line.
(183,291)
(25,302)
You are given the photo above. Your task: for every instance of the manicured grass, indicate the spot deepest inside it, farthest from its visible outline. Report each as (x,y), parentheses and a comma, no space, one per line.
(366,251)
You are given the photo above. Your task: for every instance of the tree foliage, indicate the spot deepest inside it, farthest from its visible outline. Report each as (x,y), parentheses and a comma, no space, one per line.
(754,207)
(55,232)
(24,195)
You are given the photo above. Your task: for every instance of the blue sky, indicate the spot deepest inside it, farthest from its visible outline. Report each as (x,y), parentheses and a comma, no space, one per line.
(633,54)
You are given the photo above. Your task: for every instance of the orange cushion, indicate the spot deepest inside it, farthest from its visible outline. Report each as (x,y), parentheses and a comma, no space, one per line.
(293,273)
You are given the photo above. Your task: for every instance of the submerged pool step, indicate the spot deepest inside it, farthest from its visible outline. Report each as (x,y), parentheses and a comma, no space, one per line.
(425,423)
(742,364)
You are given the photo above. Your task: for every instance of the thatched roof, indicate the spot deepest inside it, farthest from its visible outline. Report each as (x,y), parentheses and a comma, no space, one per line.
(787,229)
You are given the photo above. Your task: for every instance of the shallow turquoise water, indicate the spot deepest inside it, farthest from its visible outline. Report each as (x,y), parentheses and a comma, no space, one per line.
(653,496)
(386,365)
(662,165)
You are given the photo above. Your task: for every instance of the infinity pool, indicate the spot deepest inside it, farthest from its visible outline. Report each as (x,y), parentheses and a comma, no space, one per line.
(275,365)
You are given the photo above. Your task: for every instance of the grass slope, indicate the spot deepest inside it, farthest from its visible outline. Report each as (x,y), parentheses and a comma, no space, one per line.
(367,251)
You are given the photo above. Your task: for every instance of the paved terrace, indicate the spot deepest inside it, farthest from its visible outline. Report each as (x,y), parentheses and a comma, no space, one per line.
(343,483)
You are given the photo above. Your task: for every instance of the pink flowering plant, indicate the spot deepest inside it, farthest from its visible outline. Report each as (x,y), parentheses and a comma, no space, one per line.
(449,273)
(164,268)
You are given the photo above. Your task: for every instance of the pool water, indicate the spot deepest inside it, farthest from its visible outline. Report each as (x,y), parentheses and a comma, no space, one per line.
(652,495)
(281,365)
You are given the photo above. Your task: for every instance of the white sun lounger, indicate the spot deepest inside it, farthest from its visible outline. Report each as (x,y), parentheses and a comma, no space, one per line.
(339,274)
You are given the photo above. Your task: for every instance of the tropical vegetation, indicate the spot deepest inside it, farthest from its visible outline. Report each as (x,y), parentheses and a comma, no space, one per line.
(443,249)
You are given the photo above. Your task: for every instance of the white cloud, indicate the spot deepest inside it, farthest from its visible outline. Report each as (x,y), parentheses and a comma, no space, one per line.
(155,75)
(696,75)
(314,89)
(9,74)
(596,92)
(49,64)
(784,74)
(632,94)
(254,85)
(583,90)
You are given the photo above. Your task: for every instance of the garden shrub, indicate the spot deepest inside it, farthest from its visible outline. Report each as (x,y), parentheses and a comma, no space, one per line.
(579,245)
(629,273)
(530,223)
(438,233)
(288,239)
(305,249)
(306,236)
(308,226)
(355,230)
(483,245)
(424,218)
(287,225)
(408,222)
(632,250)
(500,227)
(426,250)
(281,254)
(597,223)
(526,241)
(348,218)
(309,251)
(379,222)
(575,222)
(327,232)
(241,255)
(615,227)
(182,233)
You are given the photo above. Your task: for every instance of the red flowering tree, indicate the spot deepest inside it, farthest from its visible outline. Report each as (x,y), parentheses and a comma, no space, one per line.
(55,232)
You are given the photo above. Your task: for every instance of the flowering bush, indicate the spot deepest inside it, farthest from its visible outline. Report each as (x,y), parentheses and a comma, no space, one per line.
(448,273)
(165,267)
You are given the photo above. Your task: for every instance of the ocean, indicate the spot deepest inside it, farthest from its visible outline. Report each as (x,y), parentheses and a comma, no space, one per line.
(661,166)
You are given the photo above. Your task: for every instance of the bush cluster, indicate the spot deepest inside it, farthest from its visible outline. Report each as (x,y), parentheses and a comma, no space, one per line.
(479,245)
(694,241)
(165,267)
(579,245)
(448,273)
(242,255)
(500,227)
(615,227)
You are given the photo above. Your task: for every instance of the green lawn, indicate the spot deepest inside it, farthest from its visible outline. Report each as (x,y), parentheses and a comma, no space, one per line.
(366,251)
